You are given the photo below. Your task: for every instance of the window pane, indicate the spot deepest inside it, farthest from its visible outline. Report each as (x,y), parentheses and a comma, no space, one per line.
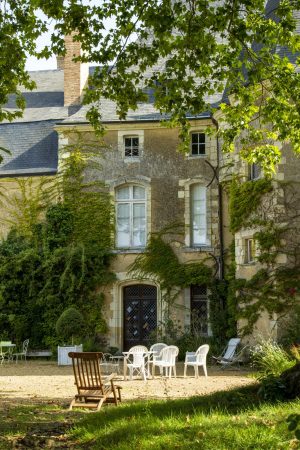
(194,149)
(198,215)
(202,149)
(135,142)
(198,192)
(138,192)
(123,193)
(139,225)
(123,225)
(194,138)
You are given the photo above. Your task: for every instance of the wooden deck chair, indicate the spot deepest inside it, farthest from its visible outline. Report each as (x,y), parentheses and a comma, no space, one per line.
(93,390)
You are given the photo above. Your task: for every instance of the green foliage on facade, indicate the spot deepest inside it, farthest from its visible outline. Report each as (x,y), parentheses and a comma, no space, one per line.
(244,200)
(62,262)
(160,262)
(275,286)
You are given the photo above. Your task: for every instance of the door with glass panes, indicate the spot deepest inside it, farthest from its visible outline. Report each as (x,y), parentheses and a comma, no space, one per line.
(140,314)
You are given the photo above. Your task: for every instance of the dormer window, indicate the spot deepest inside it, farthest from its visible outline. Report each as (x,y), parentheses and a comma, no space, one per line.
(131,146)
(198,144)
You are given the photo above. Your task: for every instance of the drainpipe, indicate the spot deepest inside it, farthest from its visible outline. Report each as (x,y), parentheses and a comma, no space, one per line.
(220,206)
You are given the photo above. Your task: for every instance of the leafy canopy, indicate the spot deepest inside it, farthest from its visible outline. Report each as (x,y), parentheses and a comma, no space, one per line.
(208,46)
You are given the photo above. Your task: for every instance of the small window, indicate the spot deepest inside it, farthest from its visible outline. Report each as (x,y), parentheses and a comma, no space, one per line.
(254,171)
(199,310)
(249,251)
(198,144)
(131,145)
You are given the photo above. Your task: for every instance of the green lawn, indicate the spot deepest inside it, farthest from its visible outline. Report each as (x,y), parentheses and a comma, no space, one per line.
(230,420)
(225,420)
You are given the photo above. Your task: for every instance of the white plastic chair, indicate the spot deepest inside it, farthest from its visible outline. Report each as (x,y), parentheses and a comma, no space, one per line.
(197,359)
(167,360)
(134,361)
(228,355)
(23,353)
(157,348)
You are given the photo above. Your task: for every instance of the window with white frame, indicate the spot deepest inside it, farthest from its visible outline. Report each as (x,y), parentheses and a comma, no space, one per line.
(130,216)
(198,215)
(249,251)
(197,144)
(131,146)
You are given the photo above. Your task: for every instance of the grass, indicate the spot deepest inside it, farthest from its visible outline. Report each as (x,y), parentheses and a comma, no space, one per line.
(222,421)
(35,426)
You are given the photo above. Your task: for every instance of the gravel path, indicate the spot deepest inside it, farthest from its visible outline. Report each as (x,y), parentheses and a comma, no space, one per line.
(44,380)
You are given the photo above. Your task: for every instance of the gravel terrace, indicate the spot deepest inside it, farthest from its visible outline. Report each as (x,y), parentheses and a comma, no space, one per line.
(43,381)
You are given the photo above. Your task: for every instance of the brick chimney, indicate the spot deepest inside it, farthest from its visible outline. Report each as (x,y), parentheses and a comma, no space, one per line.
(75,73)
(60,62)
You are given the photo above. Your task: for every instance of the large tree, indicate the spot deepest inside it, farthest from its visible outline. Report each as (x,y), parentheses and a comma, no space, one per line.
(187,52)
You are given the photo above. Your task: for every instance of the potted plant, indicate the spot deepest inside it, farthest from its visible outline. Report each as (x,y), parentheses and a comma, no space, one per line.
(69,326)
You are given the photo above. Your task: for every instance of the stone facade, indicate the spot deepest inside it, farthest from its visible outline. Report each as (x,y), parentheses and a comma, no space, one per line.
(167,177)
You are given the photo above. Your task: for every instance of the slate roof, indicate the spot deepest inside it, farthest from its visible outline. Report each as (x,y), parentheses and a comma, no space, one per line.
(33,147)
(32,141)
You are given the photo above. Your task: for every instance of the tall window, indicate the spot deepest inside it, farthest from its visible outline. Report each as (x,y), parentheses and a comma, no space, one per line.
(249,251)
(198,215)
(198,144)
(199,310)
(131,216)
(254,171)
(131,146)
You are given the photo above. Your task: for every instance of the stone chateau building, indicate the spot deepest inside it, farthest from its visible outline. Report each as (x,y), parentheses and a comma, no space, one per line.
(152,186)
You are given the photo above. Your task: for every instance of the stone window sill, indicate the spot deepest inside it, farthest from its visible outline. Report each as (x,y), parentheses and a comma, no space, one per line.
(119,251)
(202,248)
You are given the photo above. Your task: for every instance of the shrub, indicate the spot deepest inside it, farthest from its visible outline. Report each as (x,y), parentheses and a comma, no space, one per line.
(271,388)
(70,324)
(271,359)
(172,333)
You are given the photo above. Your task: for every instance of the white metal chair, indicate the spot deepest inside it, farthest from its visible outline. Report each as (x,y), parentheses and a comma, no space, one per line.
(197,359)
(228,355)
(167,360)
(107,365)
(134,361)
(23,353)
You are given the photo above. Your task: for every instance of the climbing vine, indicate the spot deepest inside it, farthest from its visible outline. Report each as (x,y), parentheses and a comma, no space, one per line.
(161,262)
(58,258)
(275,285)
(244,200)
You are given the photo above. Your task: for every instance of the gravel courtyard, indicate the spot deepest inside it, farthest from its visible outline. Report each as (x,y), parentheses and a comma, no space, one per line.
(44,380)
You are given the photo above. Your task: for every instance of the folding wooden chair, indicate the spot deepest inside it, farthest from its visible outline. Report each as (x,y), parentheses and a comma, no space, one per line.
(93,390)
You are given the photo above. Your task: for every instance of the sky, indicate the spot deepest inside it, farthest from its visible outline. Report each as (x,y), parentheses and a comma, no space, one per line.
(33,64)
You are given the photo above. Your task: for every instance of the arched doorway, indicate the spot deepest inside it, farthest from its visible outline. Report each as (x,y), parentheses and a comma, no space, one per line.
(140,314)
